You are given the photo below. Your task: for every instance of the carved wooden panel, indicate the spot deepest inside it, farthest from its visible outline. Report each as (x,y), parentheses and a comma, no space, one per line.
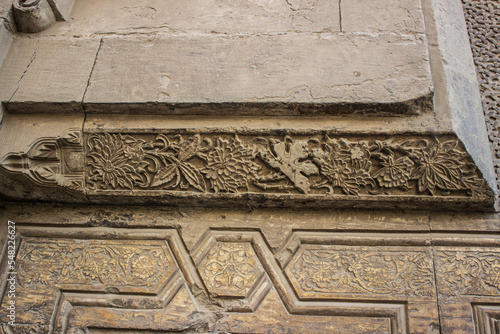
(468,279)
(324,272)
(104,280)
(487,318)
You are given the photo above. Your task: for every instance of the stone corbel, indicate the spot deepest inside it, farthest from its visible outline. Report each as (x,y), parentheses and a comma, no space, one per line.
(33,16)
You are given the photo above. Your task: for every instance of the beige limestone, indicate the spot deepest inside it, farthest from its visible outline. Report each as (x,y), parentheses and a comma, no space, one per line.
(305,69)
(52,71)
(382,16)
(201,16)
(159,56)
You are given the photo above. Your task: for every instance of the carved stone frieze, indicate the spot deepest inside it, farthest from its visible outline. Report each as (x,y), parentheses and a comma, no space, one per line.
(214,166)
(322,165)
(266,169)
(328,271)
(51,161)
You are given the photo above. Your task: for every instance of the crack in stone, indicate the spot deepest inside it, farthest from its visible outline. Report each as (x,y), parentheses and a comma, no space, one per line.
(33,57)
(291,5)
(90,74)
(340,15)
(85,113)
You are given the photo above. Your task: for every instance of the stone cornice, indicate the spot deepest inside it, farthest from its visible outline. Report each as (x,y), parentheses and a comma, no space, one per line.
(274,168)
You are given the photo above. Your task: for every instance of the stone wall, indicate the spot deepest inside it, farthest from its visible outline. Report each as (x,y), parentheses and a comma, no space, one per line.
(250,167)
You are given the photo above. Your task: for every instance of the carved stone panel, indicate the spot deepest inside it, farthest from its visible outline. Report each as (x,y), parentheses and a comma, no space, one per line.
(230,269)
(417,166)
(51,161)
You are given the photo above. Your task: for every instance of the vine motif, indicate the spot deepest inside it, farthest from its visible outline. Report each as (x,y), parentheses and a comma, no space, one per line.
(230,269)
(468,273)
(82,262)
(341,271)
(319,165)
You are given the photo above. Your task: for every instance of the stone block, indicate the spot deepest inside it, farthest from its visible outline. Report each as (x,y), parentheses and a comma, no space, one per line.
(170,71)
(240,17)
(42,75)
(379,16)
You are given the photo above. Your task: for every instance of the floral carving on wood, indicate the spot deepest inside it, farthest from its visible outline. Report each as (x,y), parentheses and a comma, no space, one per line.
(468,273)
(338,270)
(319,165)
(97,263)
(230,269)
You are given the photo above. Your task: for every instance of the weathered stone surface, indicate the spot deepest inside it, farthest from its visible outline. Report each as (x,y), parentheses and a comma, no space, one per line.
(258,69)
(462,90)
(62,8)
(198,16)
(45,150)
(49,75)
(402,17)
(278,53)
(6,28)
(217,167)
(483,27)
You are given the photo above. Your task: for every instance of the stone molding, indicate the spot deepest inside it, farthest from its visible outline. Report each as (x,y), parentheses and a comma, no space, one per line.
(308,168)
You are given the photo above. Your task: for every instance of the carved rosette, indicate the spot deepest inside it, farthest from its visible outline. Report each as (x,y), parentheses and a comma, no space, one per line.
(51,161)
(230,269)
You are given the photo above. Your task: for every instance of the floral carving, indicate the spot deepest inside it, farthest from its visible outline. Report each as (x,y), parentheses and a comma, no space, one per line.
(440,166)
(229,165)
(318,165)
(468,273)
(337,270)
(395,173)
(345,165)
(176,165)
(98,263)
(116,161)
(230,269)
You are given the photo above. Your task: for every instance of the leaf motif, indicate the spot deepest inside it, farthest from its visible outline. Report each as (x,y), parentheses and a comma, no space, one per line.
(47,173)
(193,176)
(165,175)
(44,150)
(189,147)
(126,182)
(73,137)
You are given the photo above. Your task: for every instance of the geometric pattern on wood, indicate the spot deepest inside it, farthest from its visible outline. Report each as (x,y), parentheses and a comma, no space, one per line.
(94,279)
